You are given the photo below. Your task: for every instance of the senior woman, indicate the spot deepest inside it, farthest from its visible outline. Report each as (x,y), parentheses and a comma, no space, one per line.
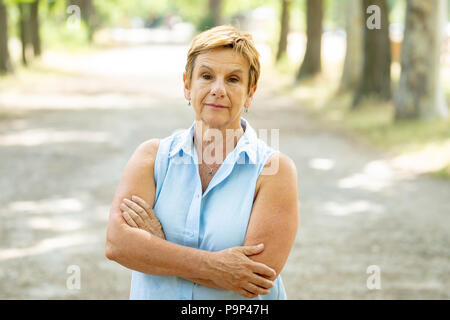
(210,212)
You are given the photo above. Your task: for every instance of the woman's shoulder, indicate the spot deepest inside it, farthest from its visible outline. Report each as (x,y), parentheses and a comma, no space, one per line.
(278,172)
(147,150)
(279,166)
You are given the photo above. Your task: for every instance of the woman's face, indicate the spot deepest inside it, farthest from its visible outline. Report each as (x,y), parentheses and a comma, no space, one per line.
(219,87)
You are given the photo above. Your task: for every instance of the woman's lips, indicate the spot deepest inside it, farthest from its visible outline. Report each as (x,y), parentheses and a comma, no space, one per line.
(216,106)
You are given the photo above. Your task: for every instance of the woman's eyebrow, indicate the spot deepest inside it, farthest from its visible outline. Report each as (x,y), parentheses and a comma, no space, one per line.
(207,67)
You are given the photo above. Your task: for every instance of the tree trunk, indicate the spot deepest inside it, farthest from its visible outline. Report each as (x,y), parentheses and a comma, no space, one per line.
(85,9)
(215,8)
(420,93)
(87,15)
(376,73)
(353,56)
(311,64)
(24,29)
(5,59)
(34,28)
(284,31)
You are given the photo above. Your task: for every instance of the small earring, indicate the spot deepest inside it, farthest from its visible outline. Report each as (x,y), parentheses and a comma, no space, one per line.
(189,102)
(246,109)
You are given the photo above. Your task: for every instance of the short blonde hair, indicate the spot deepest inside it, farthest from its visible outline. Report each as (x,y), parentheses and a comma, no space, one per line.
(225,36)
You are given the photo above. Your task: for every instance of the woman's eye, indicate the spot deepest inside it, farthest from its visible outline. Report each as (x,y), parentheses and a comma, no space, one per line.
(208,77)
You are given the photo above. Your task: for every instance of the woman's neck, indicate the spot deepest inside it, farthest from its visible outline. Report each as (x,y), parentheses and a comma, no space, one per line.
(214,144)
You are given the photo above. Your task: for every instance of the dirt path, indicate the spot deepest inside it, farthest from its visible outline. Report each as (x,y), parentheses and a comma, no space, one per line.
(65,137)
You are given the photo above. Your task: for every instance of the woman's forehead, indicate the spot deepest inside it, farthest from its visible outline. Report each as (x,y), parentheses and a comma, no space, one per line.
(224,58)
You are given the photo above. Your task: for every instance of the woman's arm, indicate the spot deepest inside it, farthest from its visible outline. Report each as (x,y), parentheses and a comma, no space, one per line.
(139,214)
(134,248)
(139,250)
(274,217)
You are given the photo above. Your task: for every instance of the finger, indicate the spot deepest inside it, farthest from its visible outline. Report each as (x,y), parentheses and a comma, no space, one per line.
(263,270)
(129,220)
(250,287)
(151,218)
(136,218)
(150,213)
(141,202)
(262,282)
(246,294)
(136,208)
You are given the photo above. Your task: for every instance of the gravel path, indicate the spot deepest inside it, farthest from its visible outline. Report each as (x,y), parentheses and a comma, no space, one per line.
(65,137)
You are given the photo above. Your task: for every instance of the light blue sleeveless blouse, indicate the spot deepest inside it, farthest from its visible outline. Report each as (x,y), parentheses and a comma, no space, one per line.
(212,221)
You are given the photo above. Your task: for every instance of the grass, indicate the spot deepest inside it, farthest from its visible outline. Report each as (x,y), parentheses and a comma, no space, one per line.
(444,173)
(372,123)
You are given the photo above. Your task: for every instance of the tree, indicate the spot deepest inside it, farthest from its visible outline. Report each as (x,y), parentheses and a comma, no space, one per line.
(284,30)
(24,29)
(420,93)
(29,28)
(215,7)
(5,60)
(353,56)
(87,11)
(311,64)
(212,17)
(376,71)
(34,28)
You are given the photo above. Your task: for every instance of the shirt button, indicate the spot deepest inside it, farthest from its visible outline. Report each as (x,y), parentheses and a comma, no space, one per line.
(190,234)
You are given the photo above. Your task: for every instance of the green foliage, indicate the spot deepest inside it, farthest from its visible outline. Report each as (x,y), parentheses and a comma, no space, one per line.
(334,14)
(59,35)
(297,16)
(230,8)
(205,23)
(194,11)
(119,13)
(444,173)
(284,65)
(397,11)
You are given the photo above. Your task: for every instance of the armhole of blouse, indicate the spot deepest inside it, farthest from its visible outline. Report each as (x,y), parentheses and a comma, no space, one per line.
(262,164)
(266,158)
(160,166)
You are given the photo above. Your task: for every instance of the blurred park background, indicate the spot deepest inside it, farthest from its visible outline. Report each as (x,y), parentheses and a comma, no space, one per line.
(359,89)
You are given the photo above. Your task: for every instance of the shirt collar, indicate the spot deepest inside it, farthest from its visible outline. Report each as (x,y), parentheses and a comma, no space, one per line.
(184,142)
(247,143)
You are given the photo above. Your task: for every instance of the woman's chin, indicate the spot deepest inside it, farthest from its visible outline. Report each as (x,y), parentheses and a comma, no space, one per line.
(215,121)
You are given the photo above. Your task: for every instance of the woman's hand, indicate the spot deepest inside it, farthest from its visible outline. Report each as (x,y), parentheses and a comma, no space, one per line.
(232,269)
(138,214)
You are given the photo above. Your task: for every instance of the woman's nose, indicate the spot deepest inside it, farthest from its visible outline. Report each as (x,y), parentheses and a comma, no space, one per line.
(218,89)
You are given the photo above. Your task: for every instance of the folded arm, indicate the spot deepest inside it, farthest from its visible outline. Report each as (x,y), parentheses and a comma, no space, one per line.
(149,253)
(134,248)
(274,217)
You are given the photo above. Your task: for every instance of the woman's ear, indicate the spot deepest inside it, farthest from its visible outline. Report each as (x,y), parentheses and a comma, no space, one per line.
(187,91)
(249,99)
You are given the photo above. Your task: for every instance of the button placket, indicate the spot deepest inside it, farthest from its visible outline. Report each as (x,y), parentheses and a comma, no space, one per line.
(192,222)
(190,237)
